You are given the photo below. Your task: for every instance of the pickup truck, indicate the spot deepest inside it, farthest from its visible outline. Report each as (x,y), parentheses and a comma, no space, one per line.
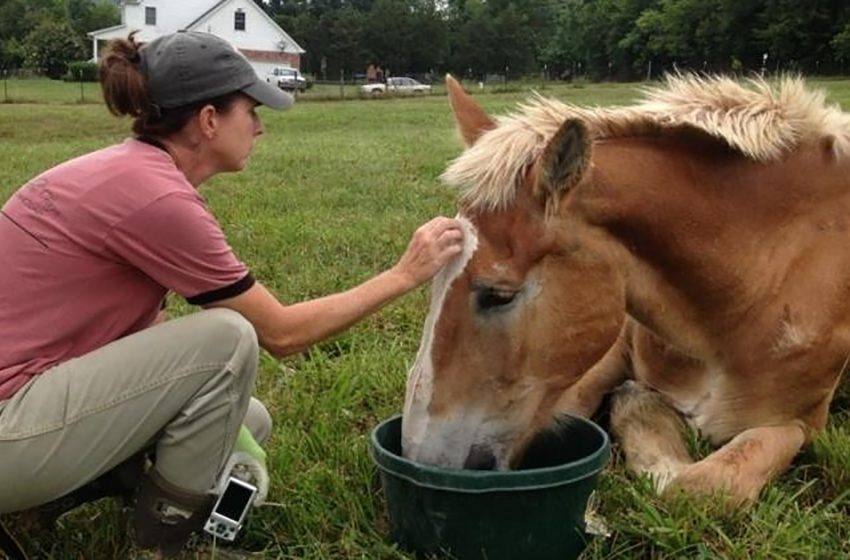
(287,78)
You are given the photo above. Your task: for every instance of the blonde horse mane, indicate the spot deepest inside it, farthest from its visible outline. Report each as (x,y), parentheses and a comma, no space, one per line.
(760,120)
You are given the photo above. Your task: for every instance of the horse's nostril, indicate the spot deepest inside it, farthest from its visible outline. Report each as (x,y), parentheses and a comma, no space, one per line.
(480,458)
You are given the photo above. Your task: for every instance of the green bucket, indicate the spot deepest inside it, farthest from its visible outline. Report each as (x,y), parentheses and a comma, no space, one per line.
(534,512)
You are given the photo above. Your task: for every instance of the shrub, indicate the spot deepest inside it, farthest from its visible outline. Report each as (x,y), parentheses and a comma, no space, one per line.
(81,70)
(49,48)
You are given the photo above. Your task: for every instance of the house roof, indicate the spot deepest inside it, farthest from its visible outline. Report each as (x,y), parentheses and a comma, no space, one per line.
(105,30)
(204,15)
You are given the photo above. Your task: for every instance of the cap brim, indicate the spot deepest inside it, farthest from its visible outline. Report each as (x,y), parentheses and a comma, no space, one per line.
(269,95)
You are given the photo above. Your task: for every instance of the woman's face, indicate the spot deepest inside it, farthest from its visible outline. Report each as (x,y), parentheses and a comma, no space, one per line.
(236,133)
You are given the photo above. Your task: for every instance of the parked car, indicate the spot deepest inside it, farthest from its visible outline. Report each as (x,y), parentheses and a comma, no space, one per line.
(395,84)
(287,78)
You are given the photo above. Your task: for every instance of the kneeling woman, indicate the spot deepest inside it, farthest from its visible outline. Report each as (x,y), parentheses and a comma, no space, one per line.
(90,377)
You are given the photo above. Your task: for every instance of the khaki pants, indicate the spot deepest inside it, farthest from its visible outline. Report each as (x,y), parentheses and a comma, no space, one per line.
(182,388)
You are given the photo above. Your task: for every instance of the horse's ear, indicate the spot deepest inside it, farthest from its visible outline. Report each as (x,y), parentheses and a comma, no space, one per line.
(564,160)
(471,119)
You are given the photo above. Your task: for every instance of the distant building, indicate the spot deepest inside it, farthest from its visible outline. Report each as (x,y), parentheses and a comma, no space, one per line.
(241,22)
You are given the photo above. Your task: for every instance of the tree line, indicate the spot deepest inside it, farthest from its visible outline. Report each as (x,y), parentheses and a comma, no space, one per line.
(597,39)
(46,35)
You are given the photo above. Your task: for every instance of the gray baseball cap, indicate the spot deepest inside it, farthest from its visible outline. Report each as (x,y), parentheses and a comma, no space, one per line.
(188,66)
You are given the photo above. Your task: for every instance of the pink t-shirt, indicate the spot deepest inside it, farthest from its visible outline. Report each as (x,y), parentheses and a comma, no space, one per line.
(89,249)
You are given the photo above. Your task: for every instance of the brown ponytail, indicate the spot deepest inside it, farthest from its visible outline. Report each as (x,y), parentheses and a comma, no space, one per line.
(125,92)
(121,78)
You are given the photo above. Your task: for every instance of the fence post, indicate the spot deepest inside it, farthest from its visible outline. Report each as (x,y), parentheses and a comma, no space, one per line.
(82,93)
(341,83)
(5,85)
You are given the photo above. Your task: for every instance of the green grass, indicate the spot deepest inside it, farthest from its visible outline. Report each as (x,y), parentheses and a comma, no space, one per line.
(331,196)
(42,90)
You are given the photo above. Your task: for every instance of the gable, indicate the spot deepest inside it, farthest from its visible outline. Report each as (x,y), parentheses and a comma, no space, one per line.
(260,31)
(262,34)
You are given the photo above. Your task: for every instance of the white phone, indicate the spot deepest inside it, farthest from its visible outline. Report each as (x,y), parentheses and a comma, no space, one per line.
(230,509)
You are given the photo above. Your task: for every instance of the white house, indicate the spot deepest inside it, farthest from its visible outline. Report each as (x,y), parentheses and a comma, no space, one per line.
(241,22)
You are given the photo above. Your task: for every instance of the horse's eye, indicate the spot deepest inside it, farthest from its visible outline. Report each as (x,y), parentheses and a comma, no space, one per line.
(492,299)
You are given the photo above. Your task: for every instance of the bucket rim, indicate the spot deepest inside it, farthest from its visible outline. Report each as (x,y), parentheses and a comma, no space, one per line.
(477,482)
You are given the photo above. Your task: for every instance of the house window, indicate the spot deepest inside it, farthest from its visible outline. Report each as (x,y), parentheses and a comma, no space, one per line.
(150,16)
(239,20)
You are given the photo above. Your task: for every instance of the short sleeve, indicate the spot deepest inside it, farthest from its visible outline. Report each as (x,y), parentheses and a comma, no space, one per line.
(177,242)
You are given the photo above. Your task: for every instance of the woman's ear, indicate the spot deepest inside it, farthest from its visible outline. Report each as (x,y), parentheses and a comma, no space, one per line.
(207,119)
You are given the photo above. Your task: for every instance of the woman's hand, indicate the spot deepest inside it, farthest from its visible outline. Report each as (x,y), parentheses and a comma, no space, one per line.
(432,246)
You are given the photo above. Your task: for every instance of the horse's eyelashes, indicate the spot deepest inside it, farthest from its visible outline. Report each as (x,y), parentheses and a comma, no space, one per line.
(491,299)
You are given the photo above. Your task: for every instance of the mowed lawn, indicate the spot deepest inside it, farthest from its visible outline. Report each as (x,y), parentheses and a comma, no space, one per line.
(332,194)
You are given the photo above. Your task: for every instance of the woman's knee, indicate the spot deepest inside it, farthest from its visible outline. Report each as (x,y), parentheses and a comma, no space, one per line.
(228,331)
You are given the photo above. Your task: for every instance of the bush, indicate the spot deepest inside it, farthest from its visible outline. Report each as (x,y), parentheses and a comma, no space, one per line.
(49,48)
(841,44)
(81,70)
(11,53)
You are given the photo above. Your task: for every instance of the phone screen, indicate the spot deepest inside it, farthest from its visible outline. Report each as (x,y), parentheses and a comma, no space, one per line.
(234,501)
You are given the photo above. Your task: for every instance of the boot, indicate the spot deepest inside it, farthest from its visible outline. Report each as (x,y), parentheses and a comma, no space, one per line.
(166,516)
(10,546)
(120,482)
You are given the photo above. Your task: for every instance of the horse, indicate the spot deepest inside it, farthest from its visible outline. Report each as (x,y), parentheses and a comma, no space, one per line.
(684,255)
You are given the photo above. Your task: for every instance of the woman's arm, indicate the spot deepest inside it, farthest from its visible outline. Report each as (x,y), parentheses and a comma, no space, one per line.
(287,329)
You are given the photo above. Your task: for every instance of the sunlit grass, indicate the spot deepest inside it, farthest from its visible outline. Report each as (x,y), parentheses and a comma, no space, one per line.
(331,196)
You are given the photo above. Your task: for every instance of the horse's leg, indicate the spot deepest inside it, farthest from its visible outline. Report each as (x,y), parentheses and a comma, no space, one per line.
(743,466)
(650,433)
(585,395)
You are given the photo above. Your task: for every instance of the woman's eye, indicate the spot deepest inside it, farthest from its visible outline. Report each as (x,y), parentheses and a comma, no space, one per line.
(491,299)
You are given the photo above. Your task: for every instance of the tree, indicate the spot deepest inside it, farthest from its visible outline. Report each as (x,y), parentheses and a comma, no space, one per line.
(18,18)
(11,53)
(89,15)
(541,26)
(50,47)
(603,39)
(797,33)
(429,28)
(592,38)
(472,39)
(388,33)
(841,44)
(306,31)
(512,51)
(680,31)
(345,39)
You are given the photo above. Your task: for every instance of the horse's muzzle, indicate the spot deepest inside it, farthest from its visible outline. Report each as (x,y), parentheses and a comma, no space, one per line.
(480,458)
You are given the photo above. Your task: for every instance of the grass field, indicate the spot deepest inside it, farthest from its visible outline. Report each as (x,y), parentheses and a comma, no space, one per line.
(331,196)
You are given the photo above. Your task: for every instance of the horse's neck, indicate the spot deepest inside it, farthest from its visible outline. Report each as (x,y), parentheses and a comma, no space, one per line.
(702,235)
